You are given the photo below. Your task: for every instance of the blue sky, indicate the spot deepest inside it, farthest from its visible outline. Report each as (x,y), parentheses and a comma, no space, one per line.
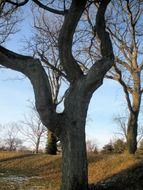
(105,103)
(15,94)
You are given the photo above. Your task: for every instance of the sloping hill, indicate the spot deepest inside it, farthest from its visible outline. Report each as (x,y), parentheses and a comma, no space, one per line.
(43,172)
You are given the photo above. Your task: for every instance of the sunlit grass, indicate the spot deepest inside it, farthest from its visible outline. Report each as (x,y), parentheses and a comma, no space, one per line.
(10,154)
(108,165)
(44,171)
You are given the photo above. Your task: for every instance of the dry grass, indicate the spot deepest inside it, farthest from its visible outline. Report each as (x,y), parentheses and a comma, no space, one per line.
(102,167)
(10,154)
(44,171)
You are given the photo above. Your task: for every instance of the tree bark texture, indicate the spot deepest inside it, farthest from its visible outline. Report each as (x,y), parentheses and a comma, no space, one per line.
(75,171)
(132,133)
(132,129)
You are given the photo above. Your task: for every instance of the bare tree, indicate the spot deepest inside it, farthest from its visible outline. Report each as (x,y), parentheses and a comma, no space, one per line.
(91,146)
(122,128)
(11,140)
(69,125)
(125,28)
(33,130)
(8,21)
(124,20)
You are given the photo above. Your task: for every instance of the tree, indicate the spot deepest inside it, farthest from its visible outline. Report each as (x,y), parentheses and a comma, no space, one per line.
(33,129)
(51,145)
(108,148)
(125,28)
(122,128)
(11,140)
(119,146)
(8,21)
(91,146)
(69,125)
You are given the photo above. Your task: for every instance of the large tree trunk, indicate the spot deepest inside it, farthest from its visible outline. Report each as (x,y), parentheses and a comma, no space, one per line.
(132,133)
(74,161)
(75,170)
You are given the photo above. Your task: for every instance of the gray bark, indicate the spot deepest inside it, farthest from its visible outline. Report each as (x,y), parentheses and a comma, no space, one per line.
(75,171)
(72,138)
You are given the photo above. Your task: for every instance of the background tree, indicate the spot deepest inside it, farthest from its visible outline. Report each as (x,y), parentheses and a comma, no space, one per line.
(108,148)
(119,146)
(33,130)
(69,125)
(122,128)
(125,23)
(91,147)
(11,140)
(9,20)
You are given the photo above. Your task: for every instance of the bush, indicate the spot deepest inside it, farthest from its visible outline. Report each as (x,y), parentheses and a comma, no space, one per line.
(140,149)
(119,146)
(107,149)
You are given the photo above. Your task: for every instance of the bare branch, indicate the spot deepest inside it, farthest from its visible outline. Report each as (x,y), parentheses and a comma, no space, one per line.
(103,35)
(33,69)
(16,3)
(59,12)
(125,88)
(100,68)
(44,60)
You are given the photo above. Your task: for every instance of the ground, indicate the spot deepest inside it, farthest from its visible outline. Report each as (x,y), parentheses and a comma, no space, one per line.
(21,171)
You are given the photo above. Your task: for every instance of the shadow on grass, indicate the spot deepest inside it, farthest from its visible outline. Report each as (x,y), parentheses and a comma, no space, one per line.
(128,179)
(16,157)
(31,165)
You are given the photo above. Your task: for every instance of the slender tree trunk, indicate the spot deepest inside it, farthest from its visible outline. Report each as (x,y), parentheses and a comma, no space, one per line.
(132,132)
(132,129)
(37,146)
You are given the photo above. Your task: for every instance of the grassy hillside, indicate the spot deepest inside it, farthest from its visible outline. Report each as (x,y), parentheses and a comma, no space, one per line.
(20,171)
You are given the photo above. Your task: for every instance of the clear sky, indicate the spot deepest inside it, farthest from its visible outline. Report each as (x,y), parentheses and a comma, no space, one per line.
(16,90)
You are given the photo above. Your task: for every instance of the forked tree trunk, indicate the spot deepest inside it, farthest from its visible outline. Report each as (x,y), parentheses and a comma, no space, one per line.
(71,129)
(132,133)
